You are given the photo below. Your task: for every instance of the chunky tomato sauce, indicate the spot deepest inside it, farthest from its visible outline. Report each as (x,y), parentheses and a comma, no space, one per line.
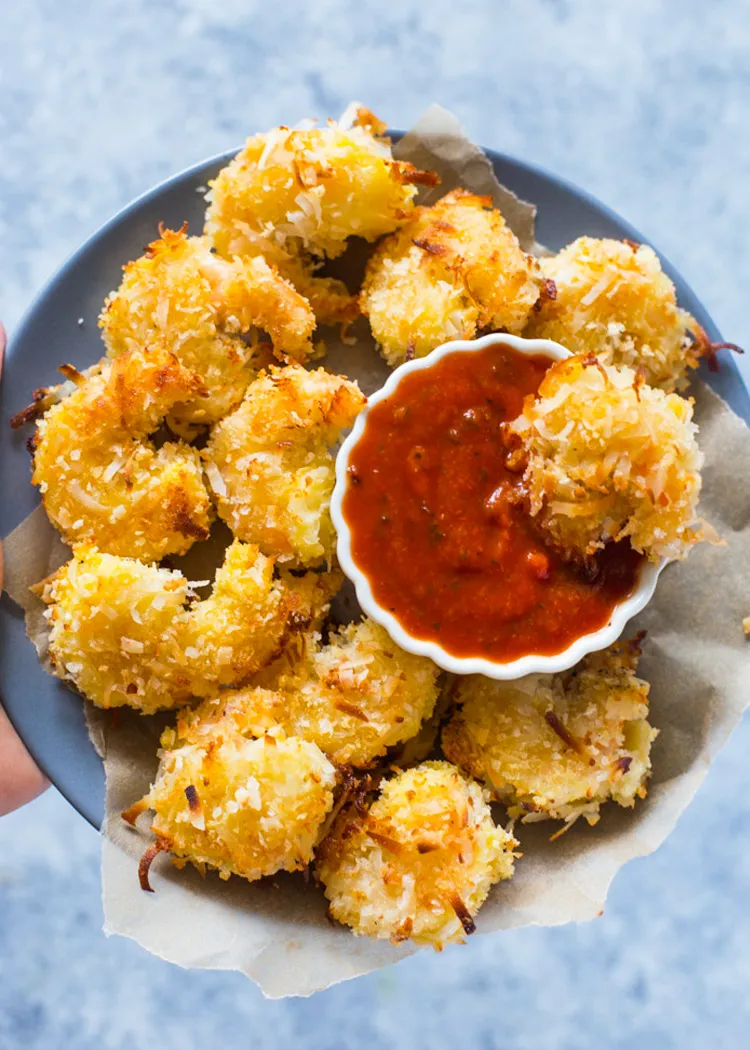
(437,532)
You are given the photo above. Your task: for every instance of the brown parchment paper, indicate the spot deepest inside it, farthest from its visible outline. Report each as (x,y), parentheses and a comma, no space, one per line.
(437,142)
(696,658)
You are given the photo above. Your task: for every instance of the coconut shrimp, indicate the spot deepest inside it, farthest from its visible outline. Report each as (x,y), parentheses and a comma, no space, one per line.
(270,465)
(102,481)
(558,746)
(608,458)
(453,269)
(354,697)
(420,862)
(205,309)
(247,807)
(126,633)
(613,299)
(295,196)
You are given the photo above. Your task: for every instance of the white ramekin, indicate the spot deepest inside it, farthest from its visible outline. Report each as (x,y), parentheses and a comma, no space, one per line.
(534,664)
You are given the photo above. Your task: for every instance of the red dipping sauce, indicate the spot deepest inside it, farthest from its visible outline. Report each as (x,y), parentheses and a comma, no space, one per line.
(435,529)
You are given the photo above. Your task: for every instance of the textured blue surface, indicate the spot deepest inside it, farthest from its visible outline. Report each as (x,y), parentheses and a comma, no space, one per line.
(645,104)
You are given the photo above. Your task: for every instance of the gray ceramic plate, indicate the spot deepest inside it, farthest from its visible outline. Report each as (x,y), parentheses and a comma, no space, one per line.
(47,715)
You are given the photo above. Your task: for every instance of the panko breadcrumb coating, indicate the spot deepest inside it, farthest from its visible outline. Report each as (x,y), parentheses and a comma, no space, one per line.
(200,306)
(330,300)
(558,746)
(244,807)
(123,632)
(248,618)
(294,195)
(354,697)
(270,465)
(613,300)
(102,481)
(420,863)
(112,630)
(453,269)
(316,591)
(363,694)
(609,458)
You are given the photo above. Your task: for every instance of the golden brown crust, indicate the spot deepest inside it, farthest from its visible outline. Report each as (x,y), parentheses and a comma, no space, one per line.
(612,299)
(262,804)
(355,697)
(417,862)
(295,196)
(455,268)
(557,746)
(270,463)
(102,481)
(209,312)
(124,634)
(609,458)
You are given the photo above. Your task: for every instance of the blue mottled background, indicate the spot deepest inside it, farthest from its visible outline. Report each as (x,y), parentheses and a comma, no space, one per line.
(645,103)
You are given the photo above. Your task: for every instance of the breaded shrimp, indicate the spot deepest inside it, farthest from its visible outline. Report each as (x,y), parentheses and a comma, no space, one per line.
(354,697)
(246,620)
(609,458)
(453,269)
(270,465)
(112,630)
(316,590)
(558,746)
(102,481)
(200,307)
(244,807)
(363,694)
(420,863)
(123,633)
(330,300)
(613,300)
(296,195)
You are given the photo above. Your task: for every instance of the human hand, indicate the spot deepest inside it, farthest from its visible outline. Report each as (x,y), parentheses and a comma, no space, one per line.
(20,778)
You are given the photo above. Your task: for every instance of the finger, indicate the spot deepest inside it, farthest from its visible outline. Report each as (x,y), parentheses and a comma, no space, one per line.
(20,778)
(3,341)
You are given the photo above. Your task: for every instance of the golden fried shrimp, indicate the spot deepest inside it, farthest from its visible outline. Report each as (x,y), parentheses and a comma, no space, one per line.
(270,465)
(102,481)
(244,807)
(112,630)
(247,619)
(558,746)
(124,634)
(609,458)
(363,694)
(315,591)
(354,697)
(293,195)
(420,863)
(453,269)
(613,300)
(201,307)
(330,300)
